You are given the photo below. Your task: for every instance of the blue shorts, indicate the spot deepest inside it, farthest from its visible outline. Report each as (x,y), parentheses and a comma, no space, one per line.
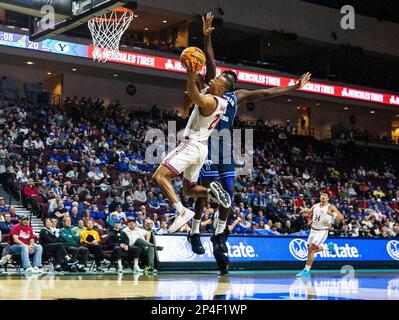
(211,171)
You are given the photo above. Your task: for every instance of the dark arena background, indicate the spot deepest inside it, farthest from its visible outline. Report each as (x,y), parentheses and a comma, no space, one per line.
(85,123)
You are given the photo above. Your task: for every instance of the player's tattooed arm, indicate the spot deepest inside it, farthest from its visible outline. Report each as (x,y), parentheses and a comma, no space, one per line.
(207,30)
(207,102)
(334,212)
(245,96)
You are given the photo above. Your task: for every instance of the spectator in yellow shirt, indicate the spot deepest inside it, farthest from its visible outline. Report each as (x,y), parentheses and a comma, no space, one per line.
(379,193)
(91,239)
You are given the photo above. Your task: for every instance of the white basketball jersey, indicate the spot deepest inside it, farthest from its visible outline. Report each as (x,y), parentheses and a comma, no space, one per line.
(320,216)
(199,127)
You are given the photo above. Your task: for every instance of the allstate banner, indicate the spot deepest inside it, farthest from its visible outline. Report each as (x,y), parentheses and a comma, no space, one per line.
(278,248)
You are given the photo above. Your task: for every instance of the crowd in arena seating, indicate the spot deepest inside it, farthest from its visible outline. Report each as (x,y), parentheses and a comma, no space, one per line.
(83,166)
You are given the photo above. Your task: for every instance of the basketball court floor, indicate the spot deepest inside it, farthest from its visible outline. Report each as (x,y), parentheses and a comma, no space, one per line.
(238,285)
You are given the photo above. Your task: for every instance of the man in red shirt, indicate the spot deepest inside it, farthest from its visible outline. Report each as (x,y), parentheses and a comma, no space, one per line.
(22,241)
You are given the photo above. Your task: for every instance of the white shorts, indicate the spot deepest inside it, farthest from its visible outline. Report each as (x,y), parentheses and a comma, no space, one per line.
(317,237)
(188,157)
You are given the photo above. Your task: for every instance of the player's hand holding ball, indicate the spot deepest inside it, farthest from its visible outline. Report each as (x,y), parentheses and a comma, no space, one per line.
(193,58)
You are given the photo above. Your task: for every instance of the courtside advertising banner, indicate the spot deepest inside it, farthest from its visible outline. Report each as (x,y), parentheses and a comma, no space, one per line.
(278,248)
(173,65)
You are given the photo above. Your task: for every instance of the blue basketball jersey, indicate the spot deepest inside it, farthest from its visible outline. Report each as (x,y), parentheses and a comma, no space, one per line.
(227,120)
(224,168)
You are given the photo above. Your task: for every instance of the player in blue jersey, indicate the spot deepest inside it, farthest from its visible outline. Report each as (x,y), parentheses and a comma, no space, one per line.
(224,171)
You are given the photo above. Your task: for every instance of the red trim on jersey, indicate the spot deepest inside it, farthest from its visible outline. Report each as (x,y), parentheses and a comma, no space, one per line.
(324,239)
(171,168)
(178,149)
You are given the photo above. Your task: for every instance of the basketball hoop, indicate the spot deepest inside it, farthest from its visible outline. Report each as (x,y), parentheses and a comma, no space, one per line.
(107,31)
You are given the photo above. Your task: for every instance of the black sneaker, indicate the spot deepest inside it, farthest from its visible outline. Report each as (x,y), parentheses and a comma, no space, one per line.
(219,244)
(195,241)
(220,194)
(222,261)
(224,271)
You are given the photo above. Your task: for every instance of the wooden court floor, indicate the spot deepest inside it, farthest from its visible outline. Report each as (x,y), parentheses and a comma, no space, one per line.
(238,285)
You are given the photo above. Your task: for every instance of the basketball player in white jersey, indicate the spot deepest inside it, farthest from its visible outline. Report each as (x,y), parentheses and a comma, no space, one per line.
(324,215)
(189,156)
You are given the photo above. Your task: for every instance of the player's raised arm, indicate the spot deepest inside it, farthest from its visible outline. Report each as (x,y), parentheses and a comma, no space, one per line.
(207,30)
(245,96)
(334,212)
(207,102)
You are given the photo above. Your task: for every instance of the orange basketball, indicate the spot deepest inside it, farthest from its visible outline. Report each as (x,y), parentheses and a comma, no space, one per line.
(195,55)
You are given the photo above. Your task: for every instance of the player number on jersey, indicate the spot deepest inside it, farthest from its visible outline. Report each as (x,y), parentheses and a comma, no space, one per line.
(214,122)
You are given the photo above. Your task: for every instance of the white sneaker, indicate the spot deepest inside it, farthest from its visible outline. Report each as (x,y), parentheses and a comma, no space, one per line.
(120,269)
(137,270)
(5,259)
(30,270)
(38,270)
(180,220)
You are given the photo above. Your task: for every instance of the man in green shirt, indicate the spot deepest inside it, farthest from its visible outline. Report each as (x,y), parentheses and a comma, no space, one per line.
(71,241)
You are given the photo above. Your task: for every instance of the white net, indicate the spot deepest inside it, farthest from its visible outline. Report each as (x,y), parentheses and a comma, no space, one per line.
(107,31)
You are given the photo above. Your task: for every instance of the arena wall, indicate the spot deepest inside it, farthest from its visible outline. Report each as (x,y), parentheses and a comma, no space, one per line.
(283,15)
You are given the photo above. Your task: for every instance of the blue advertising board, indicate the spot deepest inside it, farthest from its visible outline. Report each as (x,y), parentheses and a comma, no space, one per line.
(279,248)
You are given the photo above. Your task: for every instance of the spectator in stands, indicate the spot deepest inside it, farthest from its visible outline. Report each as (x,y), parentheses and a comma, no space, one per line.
(70,190)
(152,201)
(42,189)
(29,191)
(52,245)
(87,217)
(53,203)
(163,229)
(149,226)
(3,207)
(54,229)
(119,242)
(80,227)
(22,241)
(56,188)
(140,238)
(71,241)
(379,193)
(23,175)
(287,229)
(118,213)
(4,250)
(7,224)
(59,213)
(139,195)
(75,216)
(140,220)
(73,173)
(91,239)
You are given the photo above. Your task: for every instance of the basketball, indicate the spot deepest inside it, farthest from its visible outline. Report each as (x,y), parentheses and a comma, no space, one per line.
(195,55)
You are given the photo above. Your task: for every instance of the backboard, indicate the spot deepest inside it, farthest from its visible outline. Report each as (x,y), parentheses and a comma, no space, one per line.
(47,23)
